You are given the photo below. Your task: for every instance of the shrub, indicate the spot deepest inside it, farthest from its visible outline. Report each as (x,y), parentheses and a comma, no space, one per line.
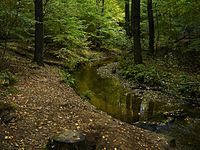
(67,77)
(72,58)
(143,74)
(87,95)
(7,78)
(187,87)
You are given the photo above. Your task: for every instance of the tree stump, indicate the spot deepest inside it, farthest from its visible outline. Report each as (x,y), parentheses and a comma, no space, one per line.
(68,140)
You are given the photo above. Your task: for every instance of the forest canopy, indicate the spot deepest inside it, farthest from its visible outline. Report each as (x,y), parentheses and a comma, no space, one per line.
(94,23)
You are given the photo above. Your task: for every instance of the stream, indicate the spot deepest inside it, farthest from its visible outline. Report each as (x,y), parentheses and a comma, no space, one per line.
(178,120)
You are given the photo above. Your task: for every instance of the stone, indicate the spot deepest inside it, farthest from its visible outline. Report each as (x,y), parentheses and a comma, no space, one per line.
(67,140)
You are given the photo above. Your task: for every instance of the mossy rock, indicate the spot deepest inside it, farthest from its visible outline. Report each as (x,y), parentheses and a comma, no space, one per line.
(68,140)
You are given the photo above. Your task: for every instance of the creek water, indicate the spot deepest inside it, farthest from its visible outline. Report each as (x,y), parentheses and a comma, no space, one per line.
(108,95)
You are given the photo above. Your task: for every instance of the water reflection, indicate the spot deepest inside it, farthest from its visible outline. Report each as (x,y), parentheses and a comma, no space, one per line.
(138,109)
(109,96)
(128,107)
(136,106)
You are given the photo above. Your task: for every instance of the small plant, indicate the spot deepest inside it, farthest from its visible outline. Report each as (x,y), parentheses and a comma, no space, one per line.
(87,95)
(143,74)
(67,77)
(7,79)
(72,58)
(187,87)
(5,91)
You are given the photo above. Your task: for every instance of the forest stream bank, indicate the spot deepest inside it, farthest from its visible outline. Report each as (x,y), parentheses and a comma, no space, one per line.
(150,108)
(44,106)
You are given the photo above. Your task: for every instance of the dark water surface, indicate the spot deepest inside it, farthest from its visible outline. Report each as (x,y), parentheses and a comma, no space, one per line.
(108,95)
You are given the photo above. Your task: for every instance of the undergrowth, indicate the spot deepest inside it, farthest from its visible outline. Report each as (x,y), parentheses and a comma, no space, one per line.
(188,86)
(67,77)
(163,73)
(87,95)
(7,80)
(143,74)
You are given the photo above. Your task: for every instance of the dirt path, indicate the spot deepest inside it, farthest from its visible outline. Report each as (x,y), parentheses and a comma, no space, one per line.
(46,106)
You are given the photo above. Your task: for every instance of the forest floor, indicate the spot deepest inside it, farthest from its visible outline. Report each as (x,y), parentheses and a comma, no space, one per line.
(46,106)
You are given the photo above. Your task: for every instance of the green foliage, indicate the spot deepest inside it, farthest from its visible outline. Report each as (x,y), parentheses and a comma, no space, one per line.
(171,20)
(72,58)
(103,30)
(166,74)
(67,77)
(143,74)
(87,95)
(7,78)
(64,26)
(79,23)
(16,19)
(7,16)
(188,87)
(194,45)
(5,91)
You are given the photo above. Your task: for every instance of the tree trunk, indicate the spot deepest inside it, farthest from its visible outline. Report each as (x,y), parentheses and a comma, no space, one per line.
(102,8)
(131,25)
(39,32)
(158,31)
(136,32)
(151,26)
(97,6)
(127,18)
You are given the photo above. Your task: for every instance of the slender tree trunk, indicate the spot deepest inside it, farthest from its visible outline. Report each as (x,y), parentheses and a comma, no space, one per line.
(136,32)
(97,6)
(102,7)
(158,32)
(151,26)
(131,28)
(127,18)
(39,32)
